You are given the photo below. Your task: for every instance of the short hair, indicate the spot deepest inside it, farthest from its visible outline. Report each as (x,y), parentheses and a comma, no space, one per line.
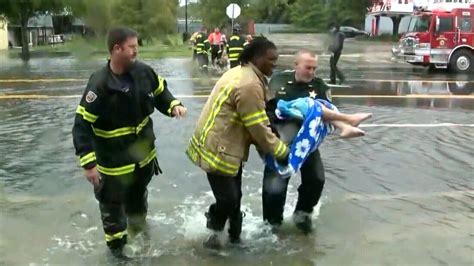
(256,48)
(305,51)
(118,35)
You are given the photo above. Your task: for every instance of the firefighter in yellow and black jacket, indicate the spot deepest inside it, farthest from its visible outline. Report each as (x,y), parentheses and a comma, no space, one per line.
(114,139)
(202,50)
(233,118)
(235,47)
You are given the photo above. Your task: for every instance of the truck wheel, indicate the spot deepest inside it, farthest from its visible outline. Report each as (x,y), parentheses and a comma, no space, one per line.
(462,62)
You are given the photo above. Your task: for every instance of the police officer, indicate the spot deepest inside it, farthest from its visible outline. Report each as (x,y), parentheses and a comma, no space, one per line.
(235,47)
(114,139)
(202,50)
(336,49)
(290,85)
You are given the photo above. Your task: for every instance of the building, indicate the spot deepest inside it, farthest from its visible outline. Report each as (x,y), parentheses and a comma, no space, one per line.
(390,16)
(40,30)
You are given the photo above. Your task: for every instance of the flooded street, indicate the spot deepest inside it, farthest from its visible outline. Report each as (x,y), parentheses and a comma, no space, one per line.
(402,195)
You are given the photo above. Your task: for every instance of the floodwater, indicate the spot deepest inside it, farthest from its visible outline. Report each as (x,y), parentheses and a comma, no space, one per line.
(402,195)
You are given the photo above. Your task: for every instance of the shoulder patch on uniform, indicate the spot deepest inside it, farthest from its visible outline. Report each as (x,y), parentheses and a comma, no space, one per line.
(91,96)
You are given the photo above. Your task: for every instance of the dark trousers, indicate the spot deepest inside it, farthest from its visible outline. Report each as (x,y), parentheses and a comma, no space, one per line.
(214,53)
(203,61)
(228,193)
(309,192)
(335,72)
(123,201)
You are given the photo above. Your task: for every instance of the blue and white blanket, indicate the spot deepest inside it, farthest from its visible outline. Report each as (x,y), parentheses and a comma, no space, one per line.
(310,136)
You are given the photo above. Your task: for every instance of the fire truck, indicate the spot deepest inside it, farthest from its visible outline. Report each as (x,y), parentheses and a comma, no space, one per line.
(439,39)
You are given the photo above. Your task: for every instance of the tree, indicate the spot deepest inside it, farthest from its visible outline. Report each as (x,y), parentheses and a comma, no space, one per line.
(321,14)
(148,17)
(271,11)
(20,11)
(95,14)
(308,14)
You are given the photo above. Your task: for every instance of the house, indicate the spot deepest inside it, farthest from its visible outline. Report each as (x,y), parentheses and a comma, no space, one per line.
(40,31)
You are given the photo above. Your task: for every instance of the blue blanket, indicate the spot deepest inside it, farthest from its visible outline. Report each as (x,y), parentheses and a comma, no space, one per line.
(309,137)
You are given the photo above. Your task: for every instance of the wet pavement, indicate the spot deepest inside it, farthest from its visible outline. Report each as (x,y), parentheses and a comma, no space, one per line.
(402,195)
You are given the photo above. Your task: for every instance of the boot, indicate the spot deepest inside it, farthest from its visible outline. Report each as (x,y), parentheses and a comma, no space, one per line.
(235,227)
(303,221)
(213,241)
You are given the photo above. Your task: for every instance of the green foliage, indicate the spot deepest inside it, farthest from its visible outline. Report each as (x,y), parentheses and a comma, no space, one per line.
(148,17)
(322,14)
(19,11)
(95,14)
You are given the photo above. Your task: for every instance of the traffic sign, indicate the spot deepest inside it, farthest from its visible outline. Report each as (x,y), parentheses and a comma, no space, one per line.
(233,11)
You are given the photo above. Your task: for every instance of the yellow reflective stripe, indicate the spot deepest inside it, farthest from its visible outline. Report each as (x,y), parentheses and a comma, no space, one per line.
(206,41)
(234,38)
(214,160)
(116,170)
(148,159)
(86,115)
(255,122)
(216,107)
(161,86)
(238,49)
(172,105)
(90,157)
(255,115)
(280,150)
(143,124)
(234,56)
(234,59)
(119,235)
(121,131)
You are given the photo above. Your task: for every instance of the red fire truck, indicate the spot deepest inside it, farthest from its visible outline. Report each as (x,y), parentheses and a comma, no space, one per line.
(440,39)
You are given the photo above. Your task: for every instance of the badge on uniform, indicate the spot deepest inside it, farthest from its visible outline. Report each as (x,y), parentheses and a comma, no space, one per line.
(90,97)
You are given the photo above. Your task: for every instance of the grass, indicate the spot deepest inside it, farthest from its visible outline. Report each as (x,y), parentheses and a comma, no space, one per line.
(159,47)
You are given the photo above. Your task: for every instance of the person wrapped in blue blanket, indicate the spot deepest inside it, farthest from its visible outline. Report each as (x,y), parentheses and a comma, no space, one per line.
(320,118)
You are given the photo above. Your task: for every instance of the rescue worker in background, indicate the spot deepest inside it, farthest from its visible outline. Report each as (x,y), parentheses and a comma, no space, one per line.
(235,47)
(202,50)
(336,49)
(290,85)
(232,119)
(192,41)
(215,39)
(114,139)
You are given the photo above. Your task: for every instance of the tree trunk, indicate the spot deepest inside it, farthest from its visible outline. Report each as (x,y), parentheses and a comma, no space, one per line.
(25,48)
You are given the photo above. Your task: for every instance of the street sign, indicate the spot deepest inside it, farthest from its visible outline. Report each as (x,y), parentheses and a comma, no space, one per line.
(233,11)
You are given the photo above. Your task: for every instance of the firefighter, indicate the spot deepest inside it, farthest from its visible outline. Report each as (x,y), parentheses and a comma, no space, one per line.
(202,50)
(233,118)
(290,85)
(235,47)
(192,41)
(336,49)
(114,139)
